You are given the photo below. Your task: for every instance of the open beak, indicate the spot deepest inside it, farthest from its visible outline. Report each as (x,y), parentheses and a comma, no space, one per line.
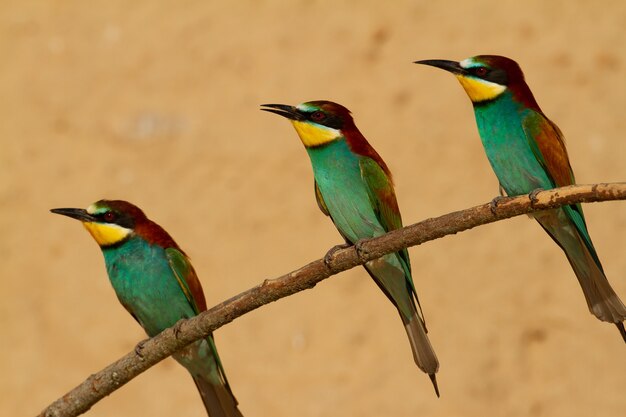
(290,112)
(74,213)
(450,66)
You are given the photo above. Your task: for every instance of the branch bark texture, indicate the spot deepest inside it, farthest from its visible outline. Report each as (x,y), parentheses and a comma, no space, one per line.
(148,353)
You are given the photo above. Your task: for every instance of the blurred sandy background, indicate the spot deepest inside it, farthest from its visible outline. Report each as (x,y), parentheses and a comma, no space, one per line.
(158,104)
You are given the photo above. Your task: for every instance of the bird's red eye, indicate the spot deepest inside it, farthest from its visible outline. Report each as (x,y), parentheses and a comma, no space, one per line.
(109,216)
(318,116)
(481,71)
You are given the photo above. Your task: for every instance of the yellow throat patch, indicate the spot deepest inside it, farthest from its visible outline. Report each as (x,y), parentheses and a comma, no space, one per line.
(107,234)
(480,90)
(312,134)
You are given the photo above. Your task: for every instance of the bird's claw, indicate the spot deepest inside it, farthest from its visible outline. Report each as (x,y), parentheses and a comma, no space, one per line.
(329,255)
(361,252)
(139,348)
(493,205)
(533,196)
(177,327)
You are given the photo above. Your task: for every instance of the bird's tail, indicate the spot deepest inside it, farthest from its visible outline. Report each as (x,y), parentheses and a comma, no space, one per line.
(423,352)
(218,400)
(601,299)
(395,282)
(203,363)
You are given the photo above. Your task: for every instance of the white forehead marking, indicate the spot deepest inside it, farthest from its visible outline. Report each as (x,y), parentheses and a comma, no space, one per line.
(94,209)
(468,63)
(305,107)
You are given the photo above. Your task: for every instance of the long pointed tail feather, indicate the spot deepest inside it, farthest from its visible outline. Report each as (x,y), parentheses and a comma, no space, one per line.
(217,398)
(423,352)
(602,300)
(389,275)
(203,363)
(622,331)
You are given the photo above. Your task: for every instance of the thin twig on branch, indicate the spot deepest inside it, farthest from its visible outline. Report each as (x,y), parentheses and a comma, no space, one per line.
(152,351)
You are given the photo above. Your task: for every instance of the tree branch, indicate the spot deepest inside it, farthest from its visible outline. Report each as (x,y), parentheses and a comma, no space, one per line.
(97,386)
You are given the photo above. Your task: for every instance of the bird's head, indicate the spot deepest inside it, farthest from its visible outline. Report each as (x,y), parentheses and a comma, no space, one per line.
(486,77)
(112,222)
(317,122)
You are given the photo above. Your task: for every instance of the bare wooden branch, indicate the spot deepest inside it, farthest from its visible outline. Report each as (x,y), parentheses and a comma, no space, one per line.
(152,351)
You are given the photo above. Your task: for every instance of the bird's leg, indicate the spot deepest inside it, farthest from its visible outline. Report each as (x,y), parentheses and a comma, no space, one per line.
(329,255)
(139,348)
(361,252)
(493,205)
(533,196)
(177,327)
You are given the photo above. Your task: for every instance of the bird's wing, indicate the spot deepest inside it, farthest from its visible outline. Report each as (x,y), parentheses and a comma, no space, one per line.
(320,200)
(547,143)
(383,200)
(187,278)
(381,193)
(324,209)
(190,285)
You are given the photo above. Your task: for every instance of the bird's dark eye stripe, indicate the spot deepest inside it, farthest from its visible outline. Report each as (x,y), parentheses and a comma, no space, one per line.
(480,71)
(121,219)
(496,75)
(108,216)
(325,119)
(318,116)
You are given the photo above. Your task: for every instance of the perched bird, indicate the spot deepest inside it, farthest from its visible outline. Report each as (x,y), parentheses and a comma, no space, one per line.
(156,283)
(354,187)
(527,152)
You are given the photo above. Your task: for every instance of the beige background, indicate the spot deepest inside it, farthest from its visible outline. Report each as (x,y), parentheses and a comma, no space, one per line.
(158,104)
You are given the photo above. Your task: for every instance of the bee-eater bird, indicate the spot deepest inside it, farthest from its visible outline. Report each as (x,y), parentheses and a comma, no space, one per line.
(527,152)
(354,187)
(156,283)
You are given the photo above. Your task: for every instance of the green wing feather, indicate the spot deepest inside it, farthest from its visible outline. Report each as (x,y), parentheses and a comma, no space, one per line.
(382,195)
(383,200)
(187,278)
(190,285)
(547,143)
(320,200)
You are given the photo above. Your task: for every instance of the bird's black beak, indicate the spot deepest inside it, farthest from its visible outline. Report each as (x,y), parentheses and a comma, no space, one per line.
(450,66)
(74,213)
(290,112)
